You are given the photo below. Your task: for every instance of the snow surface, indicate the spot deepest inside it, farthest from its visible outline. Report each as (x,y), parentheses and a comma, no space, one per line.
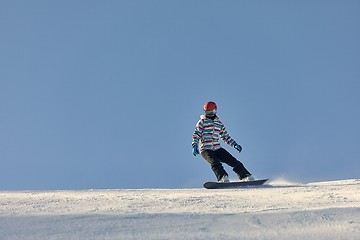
(282,210)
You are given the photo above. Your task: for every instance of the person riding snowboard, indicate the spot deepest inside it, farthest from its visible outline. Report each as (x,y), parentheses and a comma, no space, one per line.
(208,131)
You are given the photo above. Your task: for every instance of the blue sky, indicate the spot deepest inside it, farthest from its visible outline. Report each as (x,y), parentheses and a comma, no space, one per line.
(106,94)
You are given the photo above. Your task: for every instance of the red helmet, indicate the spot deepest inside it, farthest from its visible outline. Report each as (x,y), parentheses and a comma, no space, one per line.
(210,108)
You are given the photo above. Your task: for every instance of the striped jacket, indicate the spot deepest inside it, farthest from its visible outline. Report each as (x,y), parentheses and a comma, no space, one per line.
(208,133)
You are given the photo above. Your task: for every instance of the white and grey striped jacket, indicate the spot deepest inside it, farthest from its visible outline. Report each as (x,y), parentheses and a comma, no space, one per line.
(208,133)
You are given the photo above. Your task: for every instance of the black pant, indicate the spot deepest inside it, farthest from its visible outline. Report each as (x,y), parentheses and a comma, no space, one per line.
(215,158)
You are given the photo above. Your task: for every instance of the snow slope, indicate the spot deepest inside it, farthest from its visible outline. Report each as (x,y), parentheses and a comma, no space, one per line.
(327,210)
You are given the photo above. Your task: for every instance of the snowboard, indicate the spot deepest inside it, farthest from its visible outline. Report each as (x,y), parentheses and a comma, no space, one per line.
(217,185)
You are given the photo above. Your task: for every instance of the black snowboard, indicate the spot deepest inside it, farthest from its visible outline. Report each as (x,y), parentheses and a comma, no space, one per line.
(217,185)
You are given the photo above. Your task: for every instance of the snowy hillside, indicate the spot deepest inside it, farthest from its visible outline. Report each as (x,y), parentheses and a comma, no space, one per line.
(327,210)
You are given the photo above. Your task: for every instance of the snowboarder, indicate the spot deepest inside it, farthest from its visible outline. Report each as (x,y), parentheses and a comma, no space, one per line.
(208,131)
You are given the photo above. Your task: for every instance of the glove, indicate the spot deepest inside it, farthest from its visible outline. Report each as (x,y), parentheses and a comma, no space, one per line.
(238,147)
(195,150)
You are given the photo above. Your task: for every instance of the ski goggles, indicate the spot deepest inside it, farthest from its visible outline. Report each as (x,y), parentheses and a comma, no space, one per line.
(210,113)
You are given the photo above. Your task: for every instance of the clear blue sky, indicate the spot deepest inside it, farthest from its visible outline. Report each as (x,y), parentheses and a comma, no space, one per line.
(106,94)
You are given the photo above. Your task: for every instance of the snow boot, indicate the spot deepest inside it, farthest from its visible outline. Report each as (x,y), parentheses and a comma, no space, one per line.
(224,179)
(247,178)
